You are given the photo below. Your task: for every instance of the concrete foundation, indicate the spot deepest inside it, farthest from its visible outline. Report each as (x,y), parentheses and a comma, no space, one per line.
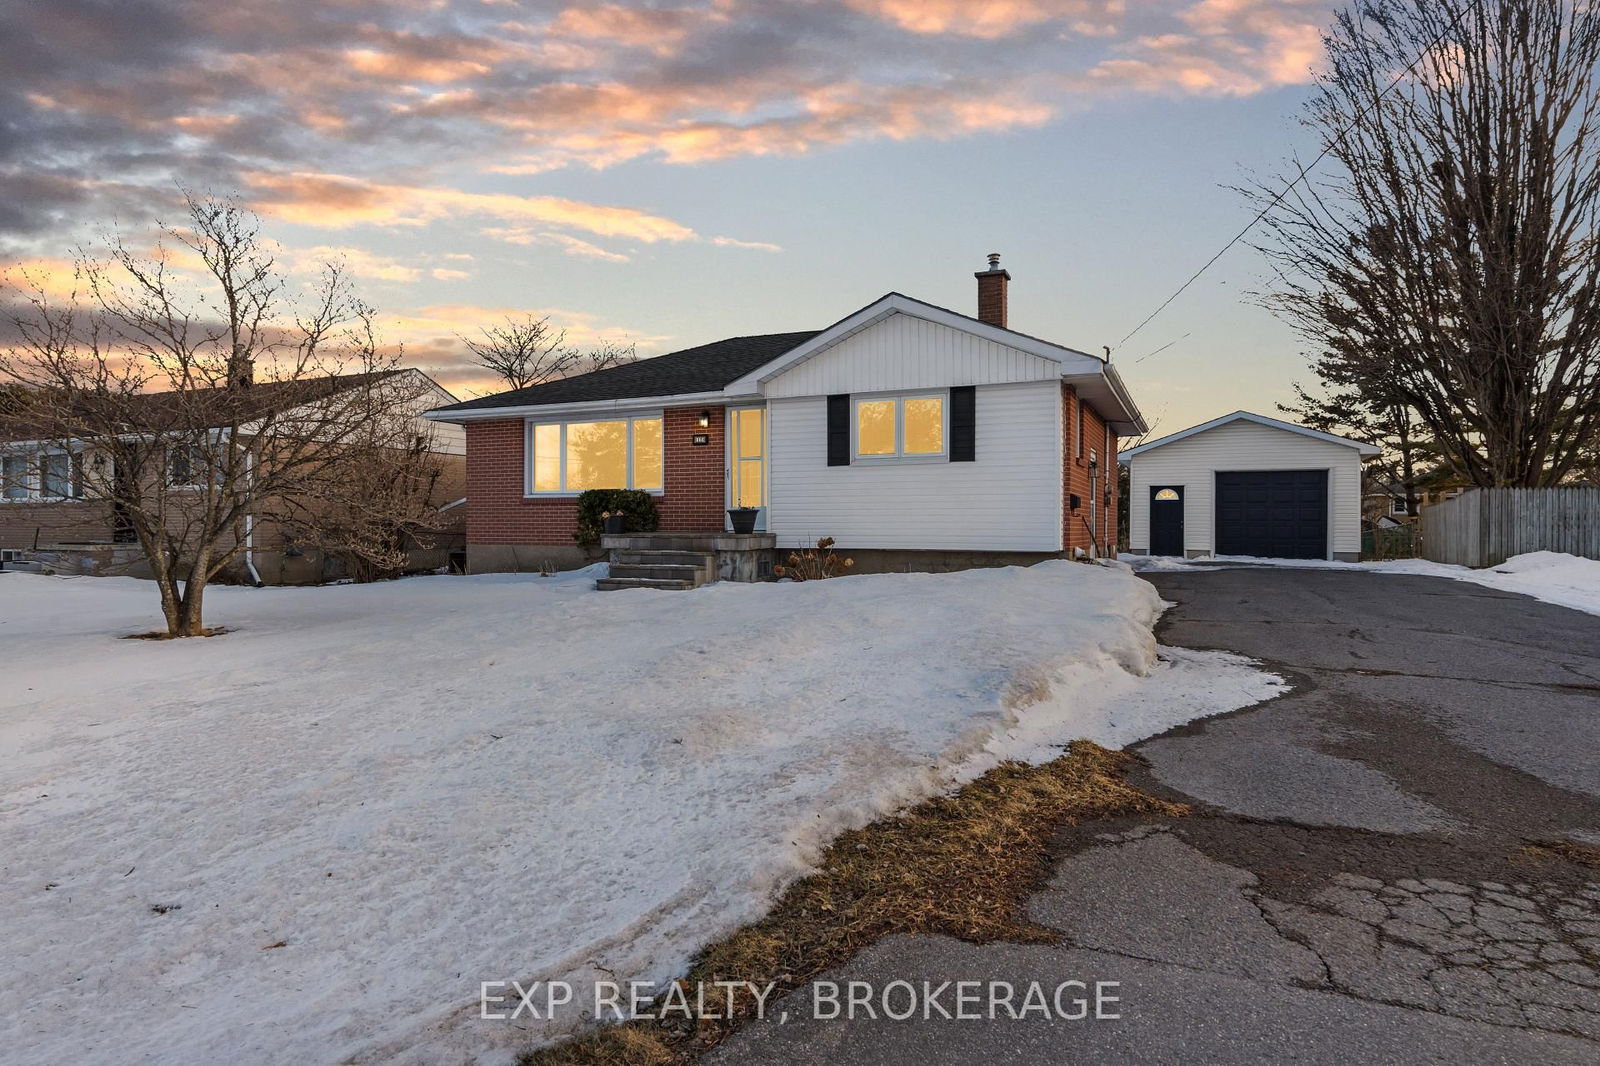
(896,561)
(529,558)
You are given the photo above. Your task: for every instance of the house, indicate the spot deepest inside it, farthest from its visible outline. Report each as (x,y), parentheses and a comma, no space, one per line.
(50,515)
(1383,502)
(917,437)
(1246,484)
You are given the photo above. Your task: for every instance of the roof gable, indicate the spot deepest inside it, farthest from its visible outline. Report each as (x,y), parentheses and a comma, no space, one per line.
(899,351)
(1071,361)
(1361,447)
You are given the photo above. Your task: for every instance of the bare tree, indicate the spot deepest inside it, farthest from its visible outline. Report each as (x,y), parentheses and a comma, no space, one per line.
(529,351)
(1375,416)
(376,497)
(1449,266)
(193,399)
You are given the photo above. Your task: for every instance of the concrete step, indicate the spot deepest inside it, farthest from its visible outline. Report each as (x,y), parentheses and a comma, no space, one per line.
(641,557)
(612,584)
(668,571)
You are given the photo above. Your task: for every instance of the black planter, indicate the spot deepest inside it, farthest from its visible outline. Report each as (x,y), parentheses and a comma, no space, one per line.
(617,523)
(743,518)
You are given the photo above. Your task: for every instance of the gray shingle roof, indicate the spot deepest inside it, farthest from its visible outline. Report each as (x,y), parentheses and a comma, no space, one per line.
(704,369)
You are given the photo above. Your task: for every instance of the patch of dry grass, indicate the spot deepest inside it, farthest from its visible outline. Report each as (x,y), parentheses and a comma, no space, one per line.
(1571,850)
(162,634)
(961,865)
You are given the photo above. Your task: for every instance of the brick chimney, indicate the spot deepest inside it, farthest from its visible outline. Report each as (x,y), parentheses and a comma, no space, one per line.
(241,369)
(992,292)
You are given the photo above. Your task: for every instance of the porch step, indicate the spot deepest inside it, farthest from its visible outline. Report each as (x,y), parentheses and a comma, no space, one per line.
(659,566)
(693,572)
(643,557)
(612,584)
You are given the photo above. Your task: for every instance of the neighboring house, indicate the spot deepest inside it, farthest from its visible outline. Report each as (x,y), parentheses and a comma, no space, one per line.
(47,515)
(918,438)
(1246,484)
(1384,502)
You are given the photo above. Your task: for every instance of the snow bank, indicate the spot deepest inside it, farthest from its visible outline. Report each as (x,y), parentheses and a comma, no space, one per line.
(1554,577)
(366,800)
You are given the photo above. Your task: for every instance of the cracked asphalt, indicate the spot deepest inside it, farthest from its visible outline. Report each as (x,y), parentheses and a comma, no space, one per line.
(1396,862)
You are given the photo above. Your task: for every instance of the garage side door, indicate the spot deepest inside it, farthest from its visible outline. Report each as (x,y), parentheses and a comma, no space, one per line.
(1279,514)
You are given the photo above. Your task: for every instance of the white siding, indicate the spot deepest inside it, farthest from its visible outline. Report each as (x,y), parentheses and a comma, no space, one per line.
(902,352)
(1008,500)
(1194,461)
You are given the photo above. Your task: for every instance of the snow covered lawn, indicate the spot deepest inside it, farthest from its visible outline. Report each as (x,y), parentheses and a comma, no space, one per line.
(1554,577)
(309,840)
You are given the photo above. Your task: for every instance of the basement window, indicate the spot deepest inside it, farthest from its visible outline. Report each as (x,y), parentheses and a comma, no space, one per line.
(900,427)
(620,453)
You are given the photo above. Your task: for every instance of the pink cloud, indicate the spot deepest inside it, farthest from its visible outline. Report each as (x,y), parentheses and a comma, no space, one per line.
(987,18)
(335,202)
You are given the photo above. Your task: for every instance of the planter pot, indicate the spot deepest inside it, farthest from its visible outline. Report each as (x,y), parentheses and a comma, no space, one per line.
(615,524)
(743,518)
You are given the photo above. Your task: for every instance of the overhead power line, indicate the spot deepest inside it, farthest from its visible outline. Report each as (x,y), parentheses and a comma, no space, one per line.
(1301,176)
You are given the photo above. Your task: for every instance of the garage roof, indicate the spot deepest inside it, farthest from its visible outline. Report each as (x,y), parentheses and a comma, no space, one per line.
(1361,447)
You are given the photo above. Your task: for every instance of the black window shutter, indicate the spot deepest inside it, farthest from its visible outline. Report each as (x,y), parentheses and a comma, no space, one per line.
(963,424)
(839,430)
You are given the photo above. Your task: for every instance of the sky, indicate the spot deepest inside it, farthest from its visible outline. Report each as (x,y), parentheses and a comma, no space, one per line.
(674,172)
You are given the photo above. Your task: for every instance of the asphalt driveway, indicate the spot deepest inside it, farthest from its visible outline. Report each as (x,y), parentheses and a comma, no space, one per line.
(1397,862)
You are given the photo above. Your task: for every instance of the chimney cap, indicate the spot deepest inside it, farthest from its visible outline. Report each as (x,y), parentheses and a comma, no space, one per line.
(994,268)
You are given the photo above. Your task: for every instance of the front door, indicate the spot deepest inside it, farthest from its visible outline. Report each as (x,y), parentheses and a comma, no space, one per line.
(747,460)
(1166,520)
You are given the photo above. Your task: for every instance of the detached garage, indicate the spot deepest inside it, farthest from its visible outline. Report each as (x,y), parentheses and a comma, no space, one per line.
(1246,484)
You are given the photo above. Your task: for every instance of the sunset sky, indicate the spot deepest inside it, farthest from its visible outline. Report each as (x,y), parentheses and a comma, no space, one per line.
(671,173)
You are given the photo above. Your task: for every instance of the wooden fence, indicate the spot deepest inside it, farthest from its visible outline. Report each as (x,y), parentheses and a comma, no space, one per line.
(1485,527)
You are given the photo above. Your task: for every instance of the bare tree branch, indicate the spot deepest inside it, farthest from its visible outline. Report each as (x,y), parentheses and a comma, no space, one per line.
(1449,266)
(189,404)
(531,351)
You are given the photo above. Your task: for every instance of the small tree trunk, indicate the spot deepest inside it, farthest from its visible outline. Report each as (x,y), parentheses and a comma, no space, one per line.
(194,592)
(192,620)
(171,604)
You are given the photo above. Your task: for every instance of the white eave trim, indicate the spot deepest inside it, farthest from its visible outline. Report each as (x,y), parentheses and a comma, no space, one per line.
(1105,392)
(582,407)
(1361,447)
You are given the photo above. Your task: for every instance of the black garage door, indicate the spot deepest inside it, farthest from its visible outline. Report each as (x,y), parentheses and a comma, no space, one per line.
(1280,514)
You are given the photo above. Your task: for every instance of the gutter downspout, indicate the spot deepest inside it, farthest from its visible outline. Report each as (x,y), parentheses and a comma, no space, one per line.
(250,524)
(1094,502)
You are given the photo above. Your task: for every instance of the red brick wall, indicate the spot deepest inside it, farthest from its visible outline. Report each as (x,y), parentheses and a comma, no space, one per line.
(1075,469)
(499,513)
(695,475)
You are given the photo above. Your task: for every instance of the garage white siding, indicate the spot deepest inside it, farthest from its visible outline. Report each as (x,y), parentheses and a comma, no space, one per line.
(1008,500)
(903,352)
(1242,445)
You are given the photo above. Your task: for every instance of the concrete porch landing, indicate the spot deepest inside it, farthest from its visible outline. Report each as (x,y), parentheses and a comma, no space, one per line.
(686,560)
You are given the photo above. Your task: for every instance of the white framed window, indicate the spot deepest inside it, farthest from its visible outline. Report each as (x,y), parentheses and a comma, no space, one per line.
(1077,449)
(38,476)
(189,466)
(15,477)
(908,426)
(566,458)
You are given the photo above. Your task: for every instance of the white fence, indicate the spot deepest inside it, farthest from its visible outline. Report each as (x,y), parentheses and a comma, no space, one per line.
(1485,527)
